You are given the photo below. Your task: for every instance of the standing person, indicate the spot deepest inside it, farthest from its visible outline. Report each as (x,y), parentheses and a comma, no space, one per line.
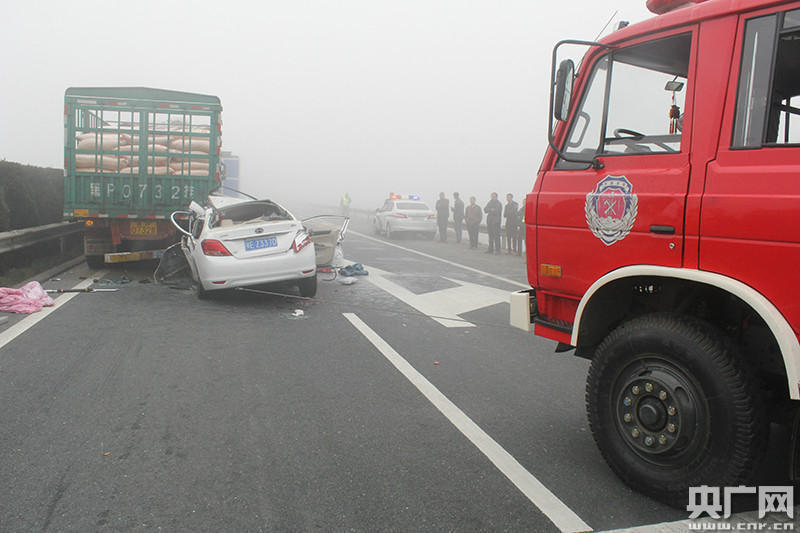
(344,204)
(473,215)
(494,215)
(511,214)
(442,216)
(458,215)
(521,230)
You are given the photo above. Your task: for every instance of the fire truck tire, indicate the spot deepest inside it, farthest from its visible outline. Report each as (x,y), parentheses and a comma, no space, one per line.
(671,405)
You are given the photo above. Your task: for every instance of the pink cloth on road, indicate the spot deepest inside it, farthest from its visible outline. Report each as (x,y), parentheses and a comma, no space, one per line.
(29,298)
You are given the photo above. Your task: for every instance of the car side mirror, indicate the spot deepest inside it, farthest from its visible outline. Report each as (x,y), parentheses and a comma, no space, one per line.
(565,77)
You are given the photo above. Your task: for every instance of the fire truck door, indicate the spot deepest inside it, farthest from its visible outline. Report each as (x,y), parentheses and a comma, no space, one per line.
(594,220)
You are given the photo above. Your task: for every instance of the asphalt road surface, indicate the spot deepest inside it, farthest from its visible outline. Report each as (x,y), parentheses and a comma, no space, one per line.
(402,402)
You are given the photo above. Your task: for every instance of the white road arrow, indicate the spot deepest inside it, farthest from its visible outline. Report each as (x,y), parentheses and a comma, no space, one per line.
(444,305)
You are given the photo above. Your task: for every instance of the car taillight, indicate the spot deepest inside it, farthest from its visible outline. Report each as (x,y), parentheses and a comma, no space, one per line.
(301,240)
(399,215)
(431,217)
(214,248)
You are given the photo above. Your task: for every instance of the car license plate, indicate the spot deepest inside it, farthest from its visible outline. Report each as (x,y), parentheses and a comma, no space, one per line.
(143,228)
(257,244)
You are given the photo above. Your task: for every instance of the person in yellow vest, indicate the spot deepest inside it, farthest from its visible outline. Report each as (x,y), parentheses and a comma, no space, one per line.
(344,204)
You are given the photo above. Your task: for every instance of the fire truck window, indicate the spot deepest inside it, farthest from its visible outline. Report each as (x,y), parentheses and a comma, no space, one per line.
(754,81)
(783,121)
(791,20)
(585,131)
(639,107)
(636,106)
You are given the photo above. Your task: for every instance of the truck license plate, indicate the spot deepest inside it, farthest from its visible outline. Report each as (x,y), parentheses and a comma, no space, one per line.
(143,228)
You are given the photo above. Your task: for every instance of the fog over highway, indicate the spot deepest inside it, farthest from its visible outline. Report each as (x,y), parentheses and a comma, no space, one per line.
(319,97)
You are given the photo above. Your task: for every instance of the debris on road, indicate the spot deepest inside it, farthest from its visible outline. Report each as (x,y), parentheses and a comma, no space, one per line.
(436,363)
(297,314)
(86,289)
(356,269)
(347,281)
(29,298)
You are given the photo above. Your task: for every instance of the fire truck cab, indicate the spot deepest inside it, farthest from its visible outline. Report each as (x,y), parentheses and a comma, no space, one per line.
(663,238)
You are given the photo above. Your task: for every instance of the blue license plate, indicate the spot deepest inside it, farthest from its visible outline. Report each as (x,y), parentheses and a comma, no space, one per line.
(257,244)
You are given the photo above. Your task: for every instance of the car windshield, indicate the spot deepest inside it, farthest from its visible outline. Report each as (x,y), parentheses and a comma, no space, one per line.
(412,206)
(249,212)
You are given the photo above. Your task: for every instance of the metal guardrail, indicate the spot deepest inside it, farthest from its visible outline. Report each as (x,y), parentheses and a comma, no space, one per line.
(22,238)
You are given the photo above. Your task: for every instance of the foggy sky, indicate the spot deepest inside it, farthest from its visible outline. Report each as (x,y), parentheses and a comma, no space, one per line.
(319,97)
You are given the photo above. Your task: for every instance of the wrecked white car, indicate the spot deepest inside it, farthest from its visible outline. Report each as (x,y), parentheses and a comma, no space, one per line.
(233,242)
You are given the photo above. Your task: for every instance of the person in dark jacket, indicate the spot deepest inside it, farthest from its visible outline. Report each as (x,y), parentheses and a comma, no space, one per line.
(442,216)
(521,230)
(511,214)
(494,216)
(458,215)
(473,216)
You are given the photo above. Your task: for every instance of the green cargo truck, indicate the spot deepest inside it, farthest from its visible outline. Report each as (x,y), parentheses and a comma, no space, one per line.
(132,156)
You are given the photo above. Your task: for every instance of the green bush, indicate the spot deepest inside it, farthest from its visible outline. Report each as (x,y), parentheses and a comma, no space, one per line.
(30,196)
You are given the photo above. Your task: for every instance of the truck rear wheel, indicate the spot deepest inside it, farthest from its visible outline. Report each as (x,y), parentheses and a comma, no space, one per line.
(671,406)
(95,262)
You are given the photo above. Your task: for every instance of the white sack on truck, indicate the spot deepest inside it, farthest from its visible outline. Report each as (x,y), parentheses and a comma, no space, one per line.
(133,149)
(193,172)
(106,162)
(106,141)
(162,140)
(160,161)
(195,164)
(188,144)
(157,171)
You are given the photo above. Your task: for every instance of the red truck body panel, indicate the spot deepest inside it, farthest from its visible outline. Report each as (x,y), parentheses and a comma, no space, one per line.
(732,212)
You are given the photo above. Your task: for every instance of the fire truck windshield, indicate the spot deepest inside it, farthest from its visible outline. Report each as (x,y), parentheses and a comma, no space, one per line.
(627,89)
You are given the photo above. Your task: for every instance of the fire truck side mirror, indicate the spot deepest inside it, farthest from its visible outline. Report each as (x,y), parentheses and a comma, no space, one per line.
(565,76)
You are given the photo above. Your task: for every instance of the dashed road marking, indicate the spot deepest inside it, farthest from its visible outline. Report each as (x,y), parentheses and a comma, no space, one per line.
(562,516)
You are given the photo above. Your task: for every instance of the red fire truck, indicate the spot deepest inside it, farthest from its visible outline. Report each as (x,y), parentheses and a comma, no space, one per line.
(663,238)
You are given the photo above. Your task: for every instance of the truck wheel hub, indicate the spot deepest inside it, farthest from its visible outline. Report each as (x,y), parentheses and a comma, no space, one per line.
(656,409)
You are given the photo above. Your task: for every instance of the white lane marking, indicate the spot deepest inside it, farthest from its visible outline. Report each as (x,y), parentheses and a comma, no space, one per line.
(562,516)
(29,321)
(444,305)
(429,256)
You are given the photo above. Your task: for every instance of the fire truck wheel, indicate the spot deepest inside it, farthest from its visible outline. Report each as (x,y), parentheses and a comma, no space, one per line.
(671,406)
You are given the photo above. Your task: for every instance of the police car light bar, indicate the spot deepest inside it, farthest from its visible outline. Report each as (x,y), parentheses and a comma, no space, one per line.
(393,196)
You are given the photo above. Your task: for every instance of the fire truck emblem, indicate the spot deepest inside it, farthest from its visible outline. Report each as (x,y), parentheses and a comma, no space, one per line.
(611,209)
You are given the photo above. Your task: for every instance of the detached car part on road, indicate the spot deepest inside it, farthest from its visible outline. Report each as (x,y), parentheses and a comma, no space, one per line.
(234,243)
